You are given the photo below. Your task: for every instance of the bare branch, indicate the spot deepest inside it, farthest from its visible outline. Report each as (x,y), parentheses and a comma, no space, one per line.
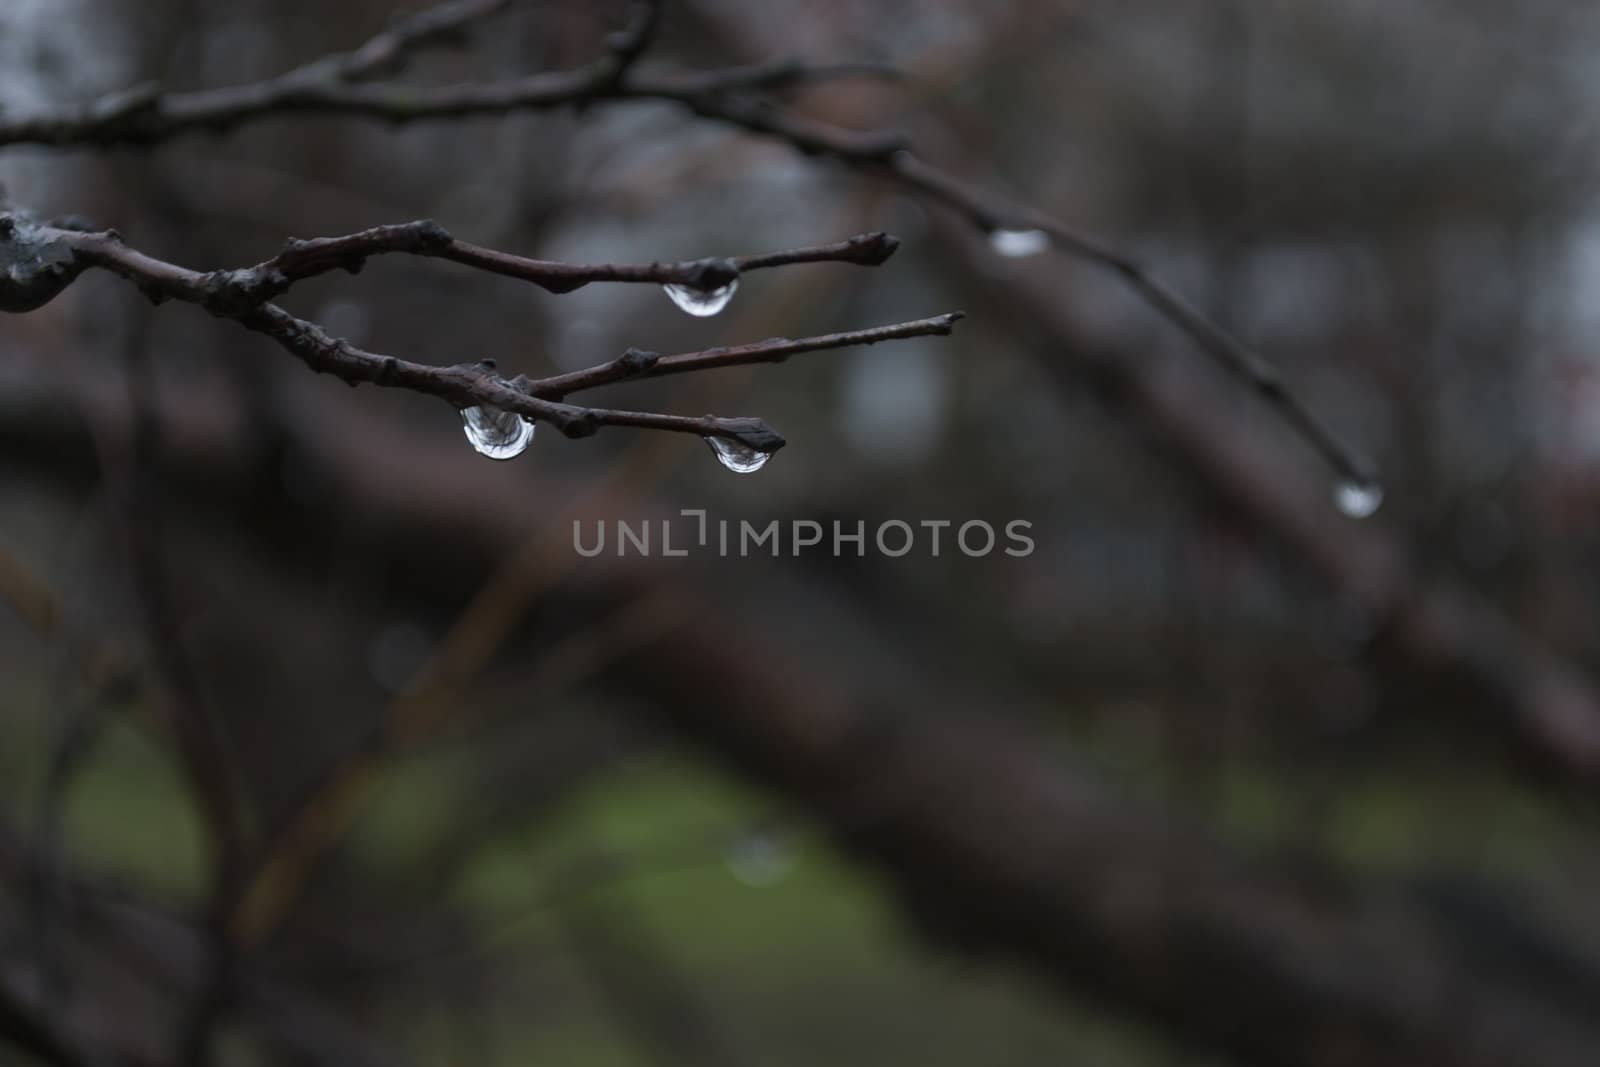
(145,115)
(630,42)
(757,114)
(385,51)
(35,1027)
(42,260)
(476,384)
(305,259)
(638,364)
(781,72)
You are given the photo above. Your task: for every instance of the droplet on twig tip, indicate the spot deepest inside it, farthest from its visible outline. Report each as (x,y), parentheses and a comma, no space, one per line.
(737,456)
(1358,500)
(1015,244)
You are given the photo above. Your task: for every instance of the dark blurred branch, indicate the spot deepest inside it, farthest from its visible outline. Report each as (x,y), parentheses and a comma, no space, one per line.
(630,42)
(779,72)
(1272,966)
(761,115)
(39,1031)
(43,260)
(144,113)
(27,594)
(134,487)
(74,729)
(1053,870)
(383,53)
(334,86)
(145,116)
(167,953)
(319,819)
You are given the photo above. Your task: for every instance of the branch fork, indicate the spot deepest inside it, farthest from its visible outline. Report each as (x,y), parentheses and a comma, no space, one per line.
(39,261)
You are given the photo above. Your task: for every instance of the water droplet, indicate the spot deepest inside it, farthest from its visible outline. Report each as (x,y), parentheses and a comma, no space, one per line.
(495,433)
(702,302)
(1017,243)
(738,456)
(761,858)
(1358,500)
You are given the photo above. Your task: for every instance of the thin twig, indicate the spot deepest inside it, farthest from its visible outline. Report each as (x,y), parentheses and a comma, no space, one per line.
(382,53)
(630,42)
(424,237)
(637,364)
(779,72)
(145,115)
(1233,354)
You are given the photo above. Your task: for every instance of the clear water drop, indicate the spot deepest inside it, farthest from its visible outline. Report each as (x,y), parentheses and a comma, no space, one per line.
(495,433)
(738,456)
(1017,243)
(702,302)
(1358,500)
(761,858)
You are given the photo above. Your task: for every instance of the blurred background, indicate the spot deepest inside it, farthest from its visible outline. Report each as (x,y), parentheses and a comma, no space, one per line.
(320,743)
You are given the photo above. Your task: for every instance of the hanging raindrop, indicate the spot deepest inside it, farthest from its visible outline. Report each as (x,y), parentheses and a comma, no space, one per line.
(761,857)
(1358,500)
(702,302)
(738,456)
(1017,243)
(495,433)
